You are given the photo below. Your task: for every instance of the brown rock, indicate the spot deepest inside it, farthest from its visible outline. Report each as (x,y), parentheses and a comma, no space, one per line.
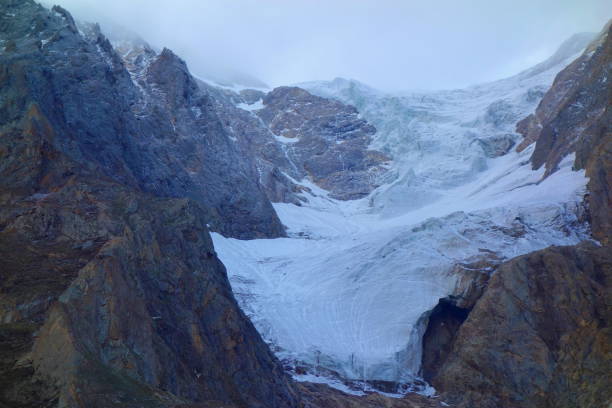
(328,141)
(539,336)
(444,321)
(110,295)
(575,116)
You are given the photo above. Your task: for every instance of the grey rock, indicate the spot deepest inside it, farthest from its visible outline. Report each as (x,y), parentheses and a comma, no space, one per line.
(154,130)
(497,145)
(111,293)
(325,140)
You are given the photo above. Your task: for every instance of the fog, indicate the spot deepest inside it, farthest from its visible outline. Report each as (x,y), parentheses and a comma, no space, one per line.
(388,44)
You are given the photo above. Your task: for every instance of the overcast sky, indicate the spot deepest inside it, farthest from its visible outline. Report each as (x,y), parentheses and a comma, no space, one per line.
(388,44)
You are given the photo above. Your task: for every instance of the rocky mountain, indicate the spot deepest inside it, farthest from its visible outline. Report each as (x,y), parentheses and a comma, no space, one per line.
(326,140)
(349,293)
(105,119)
(114,166)
(574,117)
(111,291)
(287,133)
(538,335)
(373,241)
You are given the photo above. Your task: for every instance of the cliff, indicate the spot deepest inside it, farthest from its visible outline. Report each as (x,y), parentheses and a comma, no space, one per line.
(537,333)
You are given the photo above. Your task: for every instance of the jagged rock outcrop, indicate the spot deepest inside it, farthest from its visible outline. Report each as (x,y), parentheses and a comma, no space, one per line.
(292,135)
(164,138)
(538,337)
(120,292)
(253,147)
(538,333)
(327,143)
(444,321)
(575,116)
(111,293)
(326,140)
(276,173)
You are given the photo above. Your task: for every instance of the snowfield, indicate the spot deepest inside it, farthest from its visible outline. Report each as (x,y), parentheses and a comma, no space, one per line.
(350,288)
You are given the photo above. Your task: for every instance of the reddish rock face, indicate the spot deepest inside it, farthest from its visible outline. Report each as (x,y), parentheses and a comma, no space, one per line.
(575,116)
(111,293)
(111,296)
(326,140)
(539,334)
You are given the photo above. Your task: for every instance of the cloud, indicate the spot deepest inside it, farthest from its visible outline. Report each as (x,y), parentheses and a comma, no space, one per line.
(389,44)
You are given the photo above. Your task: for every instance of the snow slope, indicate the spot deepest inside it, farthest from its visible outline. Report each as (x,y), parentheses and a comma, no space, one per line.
(442,139)
(347,291)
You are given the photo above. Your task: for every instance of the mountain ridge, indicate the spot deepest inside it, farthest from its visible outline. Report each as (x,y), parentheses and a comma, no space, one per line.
(117,162)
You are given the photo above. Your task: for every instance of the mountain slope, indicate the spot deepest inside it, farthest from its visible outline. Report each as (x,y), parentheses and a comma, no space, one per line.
(538,336)
(111,293)
(349,292)
(402,214)
(172,145)
(575,116)
(282,136)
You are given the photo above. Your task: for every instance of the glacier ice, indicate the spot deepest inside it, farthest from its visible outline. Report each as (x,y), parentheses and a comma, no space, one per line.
(348,289)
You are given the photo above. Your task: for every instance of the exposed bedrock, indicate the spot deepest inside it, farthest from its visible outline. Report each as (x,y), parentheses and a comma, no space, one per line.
(575,116)
(326,140)
(158,133)
(538,337)
(538,333)
(110,296)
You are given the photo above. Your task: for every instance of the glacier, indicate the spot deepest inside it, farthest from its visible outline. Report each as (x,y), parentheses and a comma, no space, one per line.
(348,291)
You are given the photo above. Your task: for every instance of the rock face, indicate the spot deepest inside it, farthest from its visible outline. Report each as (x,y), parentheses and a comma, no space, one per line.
(539,335)
(282,136)
(111,293)
(160,134)
(293,135)
(575,116)
(252,147)
(112,168)
(124,317)
(225,178)
(446,318)
(325,140)
(277,175)
(122,290)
